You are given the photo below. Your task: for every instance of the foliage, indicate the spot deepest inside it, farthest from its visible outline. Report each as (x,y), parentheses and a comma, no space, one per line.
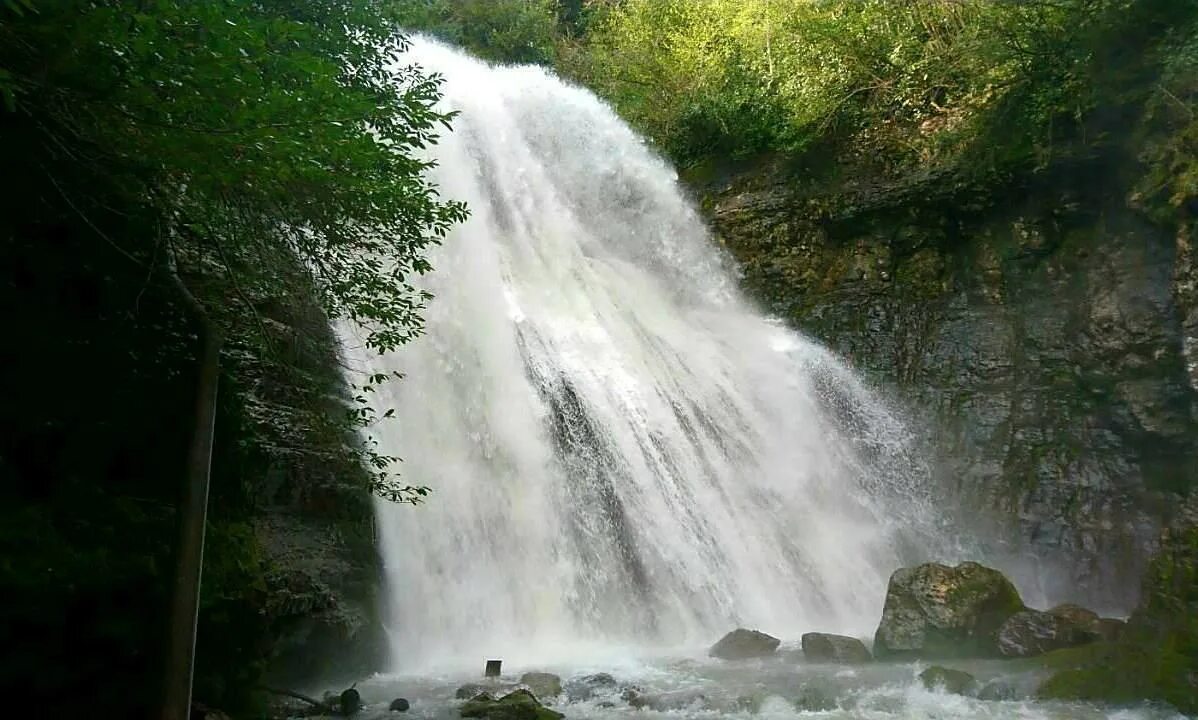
(245,137)
(913,82)
(514,31)
(267,157)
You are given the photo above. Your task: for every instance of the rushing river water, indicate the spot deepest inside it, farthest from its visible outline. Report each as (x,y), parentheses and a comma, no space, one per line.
(779,688)
(627,459)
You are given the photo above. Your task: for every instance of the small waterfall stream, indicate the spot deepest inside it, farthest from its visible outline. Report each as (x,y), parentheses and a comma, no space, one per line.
(623,452)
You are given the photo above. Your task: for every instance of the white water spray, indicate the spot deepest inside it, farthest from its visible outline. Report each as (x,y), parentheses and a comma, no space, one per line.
(622,452)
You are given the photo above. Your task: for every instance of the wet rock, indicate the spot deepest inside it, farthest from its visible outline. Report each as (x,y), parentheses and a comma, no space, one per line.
(542,684)
(516,705)
(470,690)
(1031,632)
(1098,628)
(998,690)
(1109,629)
(674,700)
(585,688)
(399,705)
(934,610)
(957,682)
(741,644)
(822,647)
(815,699)
(349,702)
(1075,614)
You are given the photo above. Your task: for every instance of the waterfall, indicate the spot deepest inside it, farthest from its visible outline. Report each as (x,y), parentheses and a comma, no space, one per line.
(622,451)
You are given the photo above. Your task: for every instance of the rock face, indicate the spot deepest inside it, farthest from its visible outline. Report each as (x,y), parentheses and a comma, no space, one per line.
(934,610)
(542,684)
(957,682)
(516,705)
(1156,657)
(822,647)
(1049,334)
(1031,632)
(741,644)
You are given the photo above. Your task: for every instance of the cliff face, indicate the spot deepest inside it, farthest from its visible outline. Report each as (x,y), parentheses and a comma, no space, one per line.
(1044,335)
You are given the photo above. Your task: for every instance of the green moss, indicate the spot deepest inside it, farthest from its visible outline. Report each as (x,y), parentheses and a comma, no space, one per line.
(1121,673)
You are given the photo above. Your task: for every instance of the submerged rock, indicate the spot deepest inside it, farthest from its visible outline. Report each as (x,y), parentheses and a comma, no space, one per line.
(350,702)
(516,705)
(471,690)
(1030,632)
(741,644)
(934,610)
(399,705)
(587,687)
(957,682)
(822,647)
(665,701)
(542,684)
(816,699)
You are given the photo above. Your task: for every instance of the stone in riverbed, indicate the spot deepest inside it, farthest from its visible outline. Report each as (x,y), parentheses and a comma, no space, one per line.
(1030,633)
(741,644)
(934,611)
(542,684)
(822,647)
(471,690)
(516,705)
(587,687)
(399,705)
(957,682)
(1099,628)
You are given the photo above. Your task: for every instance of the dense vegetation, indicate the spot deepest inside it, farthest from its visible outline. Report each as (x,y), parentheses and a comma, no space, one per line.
(174,171)
(992,87)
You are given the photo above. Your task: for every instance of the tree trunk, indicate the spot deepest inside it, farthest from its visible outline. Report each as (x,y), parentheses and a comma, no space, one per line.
(193,513)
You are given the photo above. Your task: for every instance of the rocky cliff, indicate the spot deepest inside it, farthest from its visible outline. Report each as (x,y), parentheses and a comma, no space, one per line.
(1042,331)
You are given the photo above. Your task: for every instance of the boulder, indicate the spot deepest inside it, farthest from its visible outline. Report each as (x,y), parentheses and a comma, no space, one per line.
(1030,632)
(666,701)
(399,705)
(1099,628)
(957,682)
(516,705)
(1109,629)
(822,647)
(587,687)
(470,690)
(349,702)
(542,684)
(1075,614)
(998,690)
(741,644)
(935,611)
(816,699)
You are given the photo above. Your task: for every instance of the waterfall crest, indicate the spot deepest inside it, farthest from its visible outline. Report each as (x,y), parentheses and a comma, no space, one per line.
(622,451)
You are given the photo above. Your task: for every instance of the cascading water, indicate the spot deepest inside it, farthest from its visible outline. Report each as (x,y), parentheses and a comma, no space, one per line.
(622,451)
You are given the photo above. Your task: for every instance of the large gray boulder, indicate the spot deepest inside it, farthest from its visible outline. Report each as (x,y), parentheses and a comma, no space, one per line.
(823,647)
(1030,632)
(741,644)
(937,611)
